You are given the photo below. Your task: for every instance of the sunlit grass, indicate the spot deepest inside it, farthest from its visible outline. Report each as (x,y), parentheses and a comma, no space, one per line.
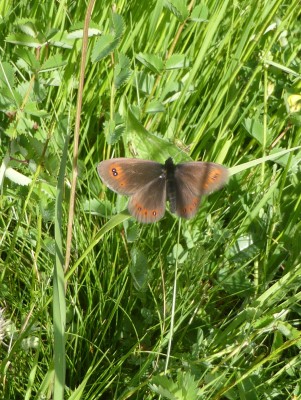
(221,85)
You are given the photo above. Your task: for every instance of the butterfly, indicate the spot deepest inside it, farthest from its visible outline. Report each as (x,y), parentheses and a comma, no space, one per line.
(149,184)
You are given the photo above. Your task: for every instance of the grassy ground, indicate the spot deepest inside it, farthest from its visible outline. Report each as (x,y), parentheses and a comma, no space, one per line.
(202,309)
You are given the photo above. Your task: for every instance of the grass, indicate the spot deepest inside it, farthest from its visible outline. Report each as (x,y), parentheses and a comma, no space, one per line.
(217,81)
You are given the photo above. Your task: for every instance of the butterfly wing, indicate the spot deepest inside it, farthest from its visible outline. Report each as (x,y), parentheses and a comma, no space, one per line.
(128,175)
(145,182)
(147,205)
(192,181)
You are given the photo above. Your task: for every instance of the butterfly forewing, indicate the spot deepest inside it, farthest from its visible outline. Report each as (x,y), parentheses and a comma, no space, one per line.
(202,177)
(128,175)
(148,204)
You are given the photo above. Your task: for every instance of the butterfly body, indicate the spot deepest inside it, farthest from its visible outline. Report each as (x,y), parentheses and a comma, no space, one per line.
(149,184)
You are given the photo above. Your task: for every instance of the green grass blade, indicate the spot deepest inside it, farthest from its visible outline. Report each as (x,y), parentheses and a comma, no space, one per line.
(59,301)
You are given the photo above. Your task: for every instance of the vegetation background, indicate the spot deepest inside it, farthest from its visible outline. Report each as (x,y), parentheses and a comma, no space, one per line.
(214,80)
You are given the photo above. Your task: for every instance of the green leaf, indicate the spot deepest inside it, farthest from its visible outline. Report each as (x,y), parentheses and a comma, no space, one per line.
(48,189)
(22,125)
(13,96)
(24,40)
(144,81)
(200,13)
(185,387)
(296,119)
(171,91)
(178,8)
(76,30)
(6,74)
(108,42)
(60,39)
(188,386)
(26,57)
(151,61)
(132,232)
(255,129)
(177,61)
(31,109)
(118,25)
(28,27)
(122,70)
(17,177)
(178,254)
(103,47)
(146,144)
(54,62)
(112,131)
(6,104)
(154,107)
(164,387)
(139,269)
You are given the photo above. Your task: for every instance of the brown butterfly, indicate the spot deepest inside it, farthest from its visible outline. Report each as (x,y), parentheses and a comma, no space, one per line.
(149,184)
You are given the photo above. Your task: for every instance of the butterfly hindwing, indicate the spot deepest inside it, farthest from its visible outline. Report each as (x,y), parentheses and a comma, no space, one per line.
(148,204)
